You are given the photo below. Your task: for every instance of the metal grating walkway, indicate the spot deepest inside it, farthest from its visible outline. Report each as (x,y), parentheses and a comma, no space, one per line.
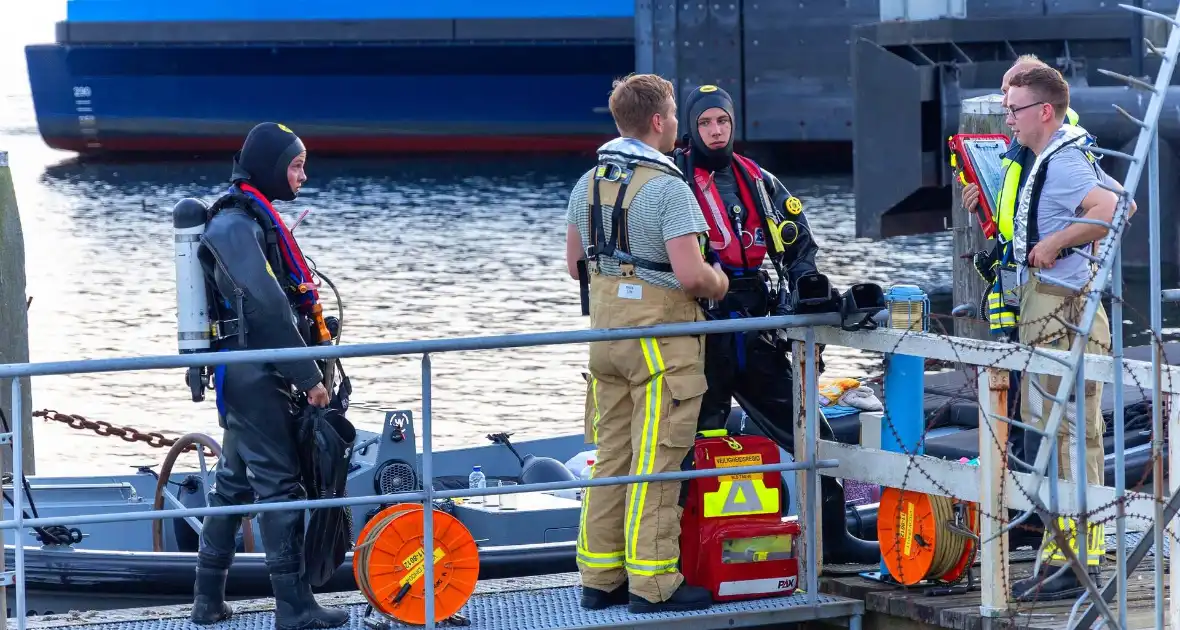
(521,605)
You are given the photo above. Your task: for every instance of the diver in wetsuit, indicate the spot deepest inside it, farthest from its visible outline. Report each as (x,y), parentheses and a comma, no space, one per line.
(260,278)
(752,217)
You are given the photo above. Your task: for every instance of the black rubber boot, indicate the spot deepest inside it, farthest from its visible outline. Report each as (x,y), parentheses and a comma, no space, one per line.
(687,597)
(1040,588)
(595,599)
(295,606)
(840,546)
(216,555)
(209,605)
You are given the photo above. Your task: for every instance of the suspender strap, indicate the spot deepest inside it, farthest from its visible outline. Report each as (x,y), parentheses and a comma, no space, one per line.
(621,183)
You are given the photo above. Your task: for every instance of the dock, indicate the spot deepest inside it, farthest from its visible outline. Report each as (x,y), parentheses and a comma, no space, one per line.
(535,603)
(895,606)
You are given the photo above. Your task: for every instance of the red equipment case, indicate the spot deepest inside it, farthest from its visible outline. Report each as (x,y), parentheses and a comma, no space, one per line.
(733,540)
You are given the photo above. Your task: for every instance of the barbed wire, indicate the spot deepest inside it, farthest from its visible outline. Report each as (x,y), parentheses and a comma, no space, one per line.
(1057,330)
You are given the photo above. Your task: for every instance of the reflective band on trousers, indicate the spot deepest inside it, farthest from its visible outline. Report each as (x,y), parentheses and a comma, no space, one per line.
(608,560)
(653,403)
(1095,542)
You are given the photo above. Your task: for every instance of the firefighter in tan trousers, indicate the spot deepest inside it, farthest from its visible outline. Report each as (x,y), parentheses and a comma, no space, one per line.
(643,395)
(1064,182)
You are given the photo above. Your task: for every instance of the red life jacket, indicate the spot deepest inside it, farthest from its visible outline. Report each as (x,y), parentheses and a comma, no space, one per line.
(723,238)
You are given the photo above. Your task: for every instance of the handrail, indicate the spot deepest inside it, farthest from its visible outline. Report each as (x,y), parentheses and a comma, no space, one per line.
(424,346)
(305,504)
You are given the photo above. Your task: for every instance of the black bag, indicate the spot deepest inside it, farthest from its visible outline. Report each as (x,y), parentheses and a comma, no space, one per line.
(326,438)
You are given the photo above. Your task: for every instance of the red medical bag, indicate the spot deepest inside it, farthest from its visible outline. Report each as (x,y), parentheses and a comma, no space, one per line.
(733,540)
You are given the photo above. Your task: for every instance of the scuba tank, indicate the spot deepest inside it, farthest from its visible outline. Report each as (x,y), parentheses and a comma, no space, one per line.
(194,324)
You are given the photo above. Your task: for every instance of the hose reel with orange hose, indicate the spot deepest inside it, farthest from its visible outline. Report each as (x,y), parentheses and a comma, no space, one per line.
(927,538)
(388,564)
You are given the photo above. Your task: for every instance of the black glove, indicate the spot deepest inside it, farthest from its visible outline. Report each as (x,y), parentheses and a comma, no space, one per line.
(333,325)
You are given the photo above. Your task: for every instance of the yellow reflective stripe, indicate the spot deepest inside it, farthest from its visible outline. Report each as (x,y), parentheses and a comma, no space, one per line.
(607,563)
(1095,542)
(649,438)
(597,411)
(1007,201)
(652,567)
(585,557)
(1071,116)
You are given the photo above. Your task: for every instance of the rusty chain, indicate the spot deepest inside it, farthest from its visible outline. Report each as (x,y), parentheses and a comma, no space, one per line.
(127,434)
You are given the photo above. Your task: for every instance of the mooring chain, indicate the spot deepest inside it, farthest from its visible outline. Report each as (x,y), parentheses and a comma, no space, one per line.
(125,433)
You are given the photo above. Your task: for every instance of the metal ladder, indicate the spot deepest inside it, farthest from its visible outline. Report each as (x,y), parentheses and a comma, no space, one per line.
(1073,382)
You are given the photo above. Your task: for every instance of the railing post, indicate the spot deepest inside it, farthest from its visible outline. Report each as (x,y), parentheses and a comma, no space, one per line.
(428,489)
(18,502)
(814,517)
(995,580)
(807,486)
(3,536)
(1173,402)
(903,423)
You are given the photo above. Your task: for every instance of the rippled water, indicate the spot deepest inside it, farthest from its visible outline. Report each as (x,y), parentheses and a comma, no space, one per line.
(421,249)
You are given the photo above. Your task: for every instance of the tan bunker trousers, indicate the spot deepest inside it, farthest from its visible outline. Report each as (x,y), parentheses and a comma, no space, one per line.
(1044,311)
(642,403)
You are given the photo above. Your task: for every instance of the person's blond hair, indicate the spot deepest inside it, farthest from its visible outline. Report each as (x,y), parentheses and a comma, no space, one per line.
(635,99)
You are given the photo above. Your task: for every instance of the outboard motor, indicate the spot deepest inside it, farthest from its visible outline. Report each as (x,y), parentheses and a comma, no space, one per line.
(535,469)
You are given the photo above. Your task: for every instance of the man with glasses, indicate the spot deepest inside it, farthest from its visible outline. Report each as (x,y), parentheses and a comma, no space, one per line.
(1054,273)
(999,268)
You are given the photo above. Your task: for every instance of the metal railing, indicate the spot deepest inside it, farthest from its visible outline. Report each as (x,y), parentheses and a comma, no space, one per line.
(425,348)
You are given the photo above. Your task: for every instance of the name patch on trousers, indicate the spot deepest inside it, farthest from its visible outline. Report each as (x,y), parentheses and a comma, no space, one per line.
(631,291)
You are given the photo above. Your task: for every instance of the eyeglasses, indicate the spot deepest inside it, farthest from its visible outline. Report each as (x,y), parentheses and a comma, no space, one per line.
(1012,111)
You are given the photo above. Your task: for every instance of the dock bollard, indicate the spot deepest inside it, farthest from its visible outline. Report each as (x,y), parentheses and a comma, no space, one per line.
(904,386)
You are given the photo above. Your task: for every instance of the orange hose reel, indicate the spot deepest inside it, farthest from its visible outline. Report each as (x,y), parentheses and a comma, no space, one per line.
(919,541)
(389,569)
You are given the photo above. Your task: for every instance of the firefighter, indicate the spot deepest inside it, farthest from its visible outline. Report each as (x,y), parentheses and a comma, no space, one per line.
(1053,275)
(752,217)
(634,221)
(998,268)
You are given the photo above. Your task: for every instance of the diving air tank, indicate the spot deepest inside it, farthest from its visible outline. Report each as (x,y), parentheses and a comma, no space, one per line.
(193,324)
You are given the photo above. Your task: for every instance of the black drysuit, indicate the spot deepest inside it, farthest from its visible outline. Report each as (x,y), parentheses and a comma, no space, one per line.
(258,404)
(755,367)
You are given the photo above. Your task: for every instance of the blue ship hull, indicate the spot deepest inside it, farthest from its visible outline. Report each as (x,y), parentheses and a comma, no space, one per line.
(356,77)
(340,98)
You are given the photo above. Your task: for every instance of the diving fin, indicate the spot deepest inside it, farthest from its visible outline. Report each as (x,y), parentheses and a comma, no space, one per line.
(814,293)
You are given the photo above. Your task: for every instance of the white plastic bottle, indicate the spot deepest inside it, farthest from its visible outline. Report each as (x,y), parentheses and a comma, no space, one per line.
(477,480)
(586,473)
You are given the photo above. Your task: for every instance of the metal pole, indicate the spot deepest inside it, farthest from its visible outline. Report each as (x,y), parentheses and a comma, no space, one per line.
(421,346)
(1080,476)
(1120,473)
(428,488)
(1157,418)
(1137,40)
(18,501)
(810,398)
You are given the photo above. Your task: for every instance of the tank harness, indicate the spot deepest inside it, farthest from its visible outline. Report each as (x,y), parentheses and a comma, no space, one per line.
(284,263)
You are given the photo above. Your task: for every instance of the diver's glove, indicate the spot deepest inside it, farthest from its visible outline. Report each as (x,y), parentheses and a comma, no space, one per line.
(984,263)
(333,325)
